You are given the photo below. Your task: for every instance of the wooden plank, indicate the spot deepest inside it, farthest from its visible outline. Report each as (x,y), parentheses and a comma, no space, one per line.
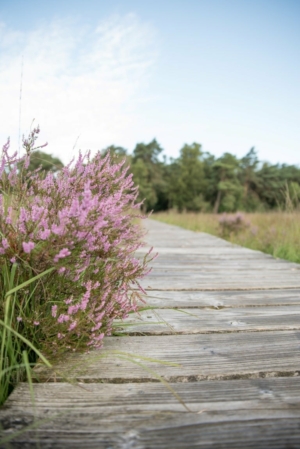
(195,261)
(260,394)
(220,299)
(157,274)
(273,264)
(202,321)
(198,357)
(203,250)
(260,413)
(163,430)
(217,258)
(202,277)
(221,284)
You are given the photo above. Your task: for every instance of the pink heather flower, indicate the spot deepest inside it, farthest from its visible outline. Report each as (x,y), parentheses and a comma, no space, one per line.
(26,162)
(100,316)
(36,323)
(100,337)
(91,198)
(62,253)
(84,301)
(19,319)
(45,234)
(62,318)
(5,243)
(54,311)
(24,216)
(72,326)
(95,328)
(36,212)
(28,247)
(73,309)
(58,230)
(13,260)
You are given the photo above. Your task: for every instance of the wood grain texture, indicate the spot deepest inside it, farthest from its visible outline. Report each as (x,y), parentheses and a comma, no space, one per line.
(205,283)
(220,299)
(201,321)
(258,413)
(198,357)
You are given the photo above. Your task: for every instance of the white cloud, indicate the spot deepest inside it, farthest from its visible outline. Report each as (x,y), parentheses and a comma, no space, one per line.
(77,81)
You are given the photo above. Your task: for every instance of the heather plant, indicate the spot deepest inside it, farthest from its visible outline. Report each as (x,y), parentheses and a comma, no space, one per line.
(232,224)
(67,263)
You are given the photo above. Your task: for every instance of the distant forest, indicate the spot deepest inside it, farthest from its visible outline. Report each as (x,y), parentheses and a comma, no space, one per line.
(198,181)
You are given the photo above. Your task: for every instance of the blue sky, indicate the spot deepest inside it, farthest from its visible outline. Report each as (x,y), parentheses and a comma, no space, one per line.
(224,73)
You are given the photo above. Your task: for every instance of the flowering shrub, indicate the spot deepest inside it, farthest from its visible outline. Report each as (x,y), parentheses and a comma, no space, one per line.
(232,224)
(76,228)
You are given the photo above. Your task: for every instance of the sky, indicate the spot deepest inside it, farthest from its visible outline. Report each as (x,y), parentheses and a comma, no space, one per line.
(94,73)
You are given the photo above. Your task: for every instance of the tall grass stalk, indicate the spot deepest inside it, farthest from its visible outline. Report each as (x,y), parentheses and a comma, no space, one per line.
(17,354)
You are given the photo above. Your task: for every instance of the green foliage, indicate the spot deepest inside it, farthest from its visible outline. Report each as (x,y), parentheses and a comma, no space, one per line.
(188,181)
(118,154)
(197,181)
(148,174)
(229,189)
(17,344)
(45,161)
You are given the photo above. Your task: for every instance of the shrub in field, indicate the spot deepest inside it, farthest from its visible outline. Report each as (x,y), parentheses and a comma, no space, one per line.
(232,224)
(67,244)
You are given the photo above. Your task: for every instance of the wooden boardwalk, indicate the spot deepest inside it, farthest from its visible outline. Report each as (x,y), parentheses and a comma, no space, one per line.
(227,325)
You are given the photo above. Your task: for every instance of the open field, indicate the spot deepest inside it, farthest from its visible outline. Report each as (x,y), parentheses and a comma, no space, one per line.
(275,233)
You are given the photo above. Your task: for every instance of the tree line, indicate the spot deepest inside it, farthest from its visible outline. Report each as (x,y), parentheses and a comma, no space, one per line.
(200,182)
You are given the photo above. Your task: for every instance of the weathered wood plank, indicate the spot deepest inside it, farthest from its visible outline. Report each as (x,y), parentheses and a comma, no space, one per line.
(196,261)
(139,416)
(199,357)
(163,431)
(221,283)
(202,250)
(220,299)
(271,264)
(201,321)
(260,393)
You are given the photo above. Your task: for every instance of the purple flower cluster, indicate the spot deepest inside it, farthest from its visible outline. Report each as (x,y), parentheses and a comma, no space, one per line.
(79,221)
(232,223)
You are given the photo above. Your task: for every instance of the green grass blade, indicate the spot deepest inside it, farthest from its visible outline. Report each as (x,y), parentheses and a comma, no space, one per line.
(28,343)
(24,284)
